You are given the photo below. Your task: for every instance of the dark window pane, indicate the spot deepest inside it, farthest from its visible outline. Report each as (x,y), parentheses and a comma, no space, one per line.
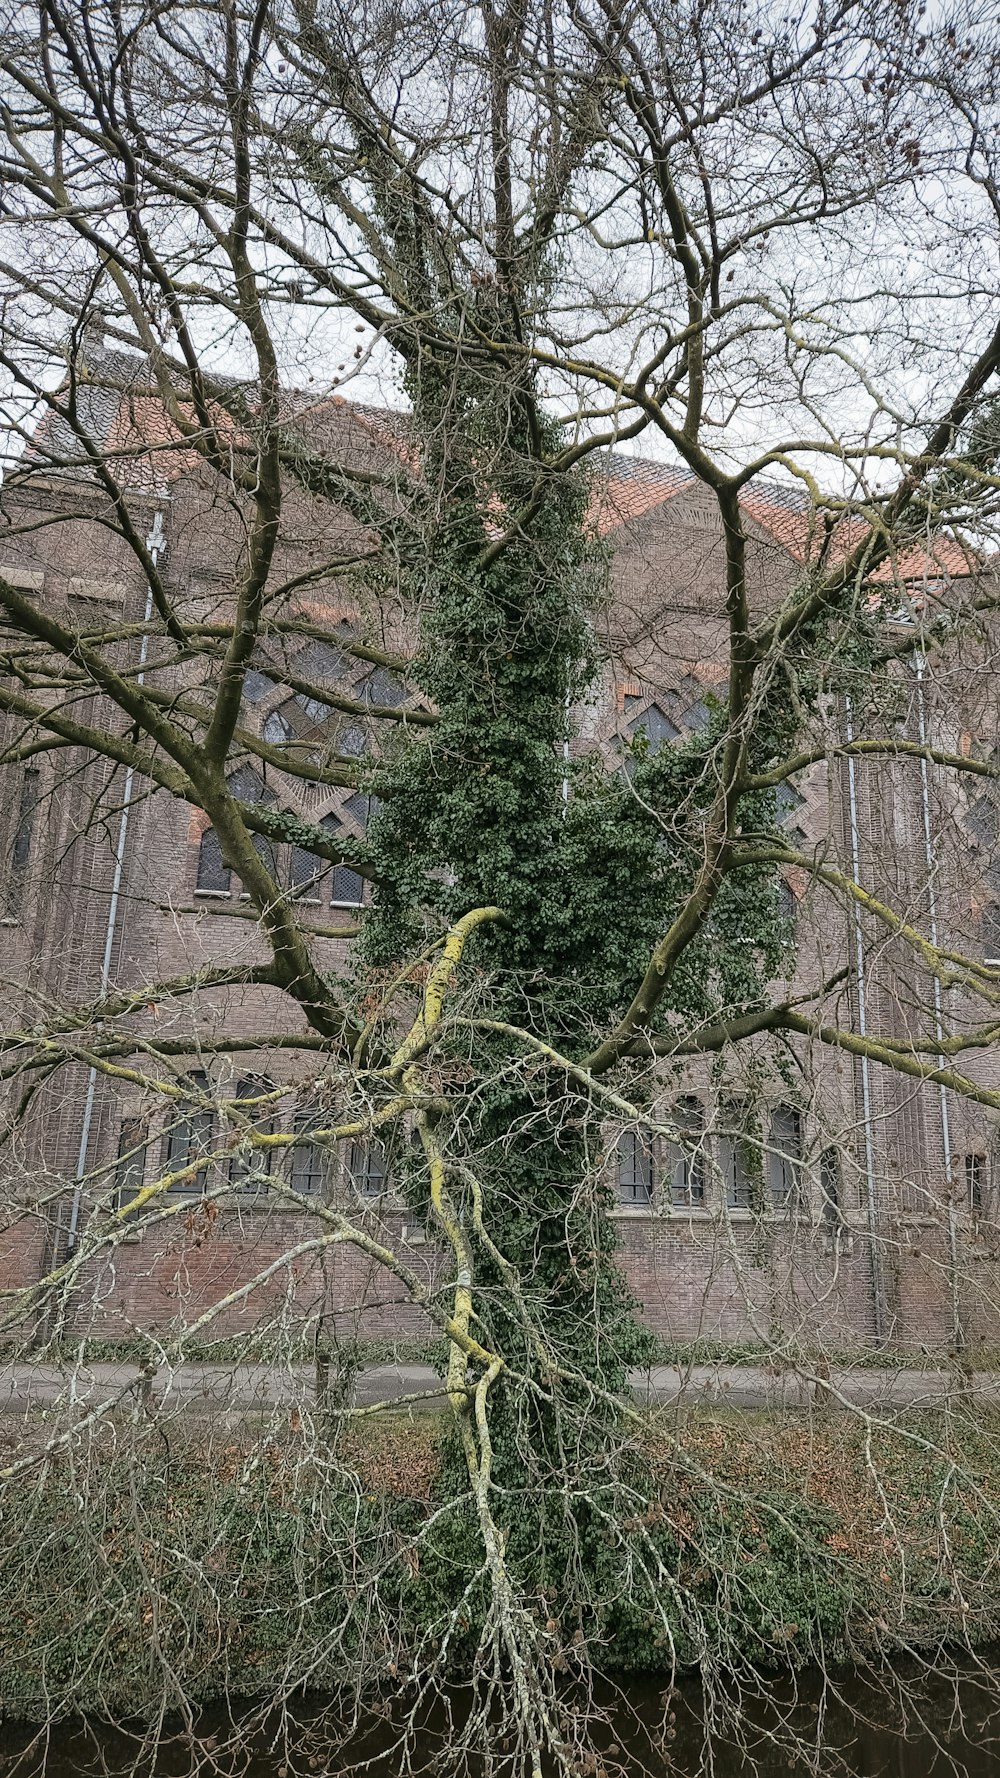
(189,1134)
(266,853)
(247,786)
(256,685)
(784,1158)
(656,725)
(787,800)
(213,872)
(983,820)
(305,870)
(322,662)
(366,1168)
(353,740)
(20,851)
(347,888)
(25,818)
(635,1168)
(314,708)
(277,730)
(382,687)
(687,1158)
(131,1167)
(975,1182)
(362,808)
(991,933)
(309,1167)
(249,1172)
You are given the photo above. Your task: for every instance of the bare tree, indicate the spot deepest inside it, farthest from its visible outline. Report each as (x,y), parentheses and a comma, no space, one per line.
(349,652)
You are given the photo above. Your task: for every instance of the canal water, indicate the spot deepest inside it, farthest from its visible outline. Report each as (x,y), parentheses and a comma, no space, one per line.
(906,1723)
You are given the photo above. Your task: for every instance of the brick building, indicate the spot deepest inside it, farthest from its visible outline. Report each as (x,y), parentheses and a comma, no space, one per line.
(871,1215)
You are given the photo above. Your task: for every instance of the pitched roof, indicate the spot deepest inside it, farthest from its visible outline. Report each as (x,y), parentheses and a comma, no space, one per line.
(636,486)
(121,411)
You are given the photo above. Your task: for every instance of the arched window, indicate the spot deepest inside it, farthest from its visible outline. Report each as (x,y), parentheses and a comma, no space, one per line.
(214,875)
(687,1157)
(635,1167)
(249,1172)
(784,1158)
(735,1159)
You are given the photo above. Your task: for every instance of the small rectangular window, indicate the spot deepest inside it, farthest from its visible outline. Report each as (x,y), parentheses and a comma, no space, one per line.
(975,1182)
(687,1158)
(635,1168)
(188,1134)
(366,1168)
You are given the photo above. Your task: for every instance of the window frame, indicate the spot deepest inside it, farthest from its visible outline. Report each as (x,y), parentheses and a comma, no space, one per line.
(635,1193)
(210,833)
(358,1147)
(192,1120)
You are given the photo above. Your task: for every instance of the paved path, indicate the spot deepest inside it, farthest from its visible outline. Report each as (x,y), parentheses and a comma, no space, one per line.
(231,1389)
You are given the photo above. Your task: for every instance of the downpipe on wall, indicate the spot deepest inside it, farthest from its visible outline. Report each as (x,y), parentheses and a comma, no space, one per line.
(871,1194)
(958,1332)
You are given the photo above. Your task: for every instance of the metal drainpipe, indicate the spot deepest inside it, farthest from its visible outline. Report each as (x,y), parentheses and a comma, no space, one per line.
(878,1302)
(154,543)
(919,664)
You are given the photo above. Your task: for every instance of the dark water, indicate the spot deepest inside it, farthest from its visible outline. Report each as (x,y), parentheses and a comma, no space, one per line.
(903,1723)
